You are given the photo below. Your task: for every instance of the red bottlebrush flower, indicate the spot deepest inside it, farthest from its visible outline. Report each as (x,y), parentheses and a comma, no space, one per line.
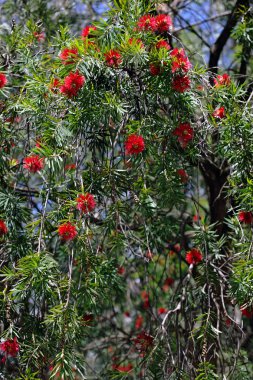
(10,347)
(183,175)
(72,84)
(145,298)
(54,85)
(146,23)
(87,31)
(122,368)
(194,256)
(87,318)
(70,167)
(179,60)
(113,58)
(39,36)
(85,203)
(162,45)
(168,283)
(245,217)
(177,247)
(139,322)
(68,56)
(33,163)
(3,228)
(136,42)
(222,80)
(196,218)
(219,113)
(134,144)
(3,80)
(185,134)
(155,69)
(161,310)
(121,270)
(162,23)
(248,312)
(67,231)
(143,341)
(181,83)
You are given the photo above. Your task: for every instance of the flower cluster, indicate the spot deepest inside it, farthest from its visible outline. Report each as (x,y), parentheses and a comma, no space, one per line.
(181,83)
(183,175)
(85,203)
(68,56)
(194,256)
(67,231)
(219,113)
(122,368)
(134,144)
(222,80)
(72,84)
(185,134)
(3,80)
(3,228)
(162,44)
(143,342)
(10,347)
(33,163)
(87,31)
(113,58)
(245,217)
(179,61)
(160,23)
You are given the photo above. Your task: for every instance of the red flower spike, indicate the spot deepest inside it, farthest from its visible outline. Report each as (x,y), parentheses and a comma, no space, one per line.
(39,36)
(72,84)
(122,368)
(87,31)
(146,23)
(54,85)
(3,228)
(181,83)
(222,80)
(194,256)
(67,231)
(248,312)
(143,341)
(245,217)
(162,45)
(139,322)
(10,347)
(113,58)
(155,69)
(185,134)
(85,203)
(168,283)
(70,167)
(136,42)
(134,144)
(161,310)
(68,56)
(3,80)
(179,61)
(121,270)
(162,23)
(219,113)
(183,175)
(33,163)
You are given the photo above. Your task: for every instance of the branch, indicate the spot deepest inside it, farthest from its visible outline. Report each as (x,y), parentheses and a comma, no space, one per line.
(221,41)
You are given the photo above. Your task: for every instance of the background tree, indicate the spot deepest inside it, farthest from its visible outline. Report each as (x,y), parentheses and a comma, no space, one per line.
(126,190)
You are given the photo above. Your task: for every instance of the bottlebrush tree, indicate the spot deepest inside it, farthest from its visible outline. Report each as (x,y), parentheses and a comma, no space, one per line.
(125,205)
